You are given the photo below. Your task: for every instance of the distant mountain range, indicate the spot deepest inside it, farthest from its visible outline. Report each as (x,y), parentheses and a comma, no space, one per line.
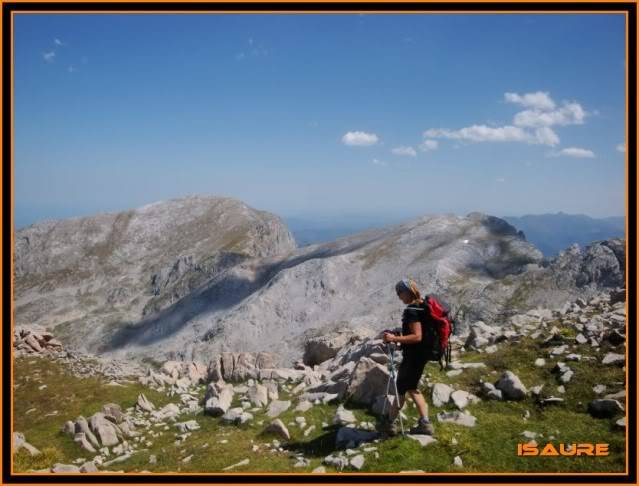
(552,233)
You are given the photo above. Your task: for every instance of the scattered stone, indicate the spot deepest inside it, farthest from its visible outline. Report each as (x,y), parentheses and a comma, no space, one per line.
(278,427)
(144,404)
(613,358)
(19,442)
(604,408)
(424,440)
(277,407)
(243,462)
(357,462)
(456,417)
(540,362)
(440,394)
(457,462)
(343,416)
(511,386)
(599,389)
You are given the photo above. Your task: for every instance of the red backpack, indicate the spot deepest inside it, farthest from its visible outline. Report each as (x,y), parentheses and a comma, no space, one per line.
(439,318)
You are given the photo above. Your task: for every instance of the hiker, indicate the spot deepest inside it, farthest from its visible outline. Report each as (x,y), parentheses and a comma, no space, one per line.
(416,353)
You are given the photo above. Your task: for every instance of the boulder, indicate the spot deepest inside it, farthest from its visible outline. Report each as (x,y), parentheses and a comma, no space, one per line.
(605,408)
(614,358)
(19,442)
(511,386)
(343,416)
(81,439)
(218,398)
(82,426)
(277,407)
(258,395)
(144,404)
(369,380)
(462,398)
(104,429)
(457,417)
(440,394)
(277,427)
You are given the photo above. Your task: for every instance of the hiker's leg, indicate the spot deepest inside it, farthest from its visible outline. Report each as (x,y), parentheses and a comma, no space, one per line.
(419,400)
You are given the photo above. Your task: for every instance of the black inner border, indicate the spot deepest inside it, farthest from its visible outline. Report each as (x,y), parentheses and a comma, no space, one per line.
(631,217)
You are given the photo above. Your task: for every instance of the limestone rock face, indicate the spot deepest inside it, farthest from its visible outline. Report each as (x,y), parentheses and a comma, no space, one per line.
(210,280)
(127,267)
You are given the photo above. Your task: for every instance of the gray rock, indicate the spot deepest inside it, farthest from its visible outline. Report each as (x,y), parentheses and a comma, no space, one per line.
(237,416)
(599,389)
(461,398)
(456,417)
(457,462)
(277,427)
(605,408)
(540,362)
(258,395)
(218,398)
(424,440)
(64,468)
(343,416)
(303,406)
(82,426)
(81,439)
(614,358)
(103,429)
(357,462)
(490,392)
(440,394)
(144,404)
(277,407)
(88,467)
(244,462)
(19,442)
(511,386)
(369,380)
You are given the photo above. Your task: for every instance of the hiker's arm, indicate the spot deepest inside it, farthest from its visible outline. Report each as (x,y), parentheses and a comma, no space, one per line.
(414,337)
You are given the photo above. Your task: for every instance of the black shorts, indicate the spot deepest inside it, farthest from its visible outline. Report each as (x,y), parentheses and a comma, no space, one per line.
(409,373)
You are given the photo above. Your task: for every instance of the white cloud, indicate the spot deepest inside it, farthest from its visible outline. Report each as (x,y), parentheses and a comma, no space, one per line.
(361,139)
(49,56)
(240,56)
(482,133)
(575,152)
(538,100)
(72,69)
(500,179)
(428,145)
(546,136)
(58,42)
(569,114)
(379,162)
(621,147)
(409,151)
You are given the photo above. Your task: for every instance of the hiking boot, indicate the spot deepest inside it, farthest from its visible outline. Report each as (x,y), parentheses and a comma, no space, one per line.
(423,428)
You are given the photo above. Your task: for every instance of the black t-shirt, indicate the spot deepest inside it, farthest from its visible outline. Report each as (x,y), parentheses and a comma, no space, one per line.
(427,348)
(412,313)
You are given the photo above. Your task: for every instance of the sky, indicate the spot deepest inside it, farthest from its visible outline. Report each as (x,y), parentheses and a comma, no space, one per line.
(320,115)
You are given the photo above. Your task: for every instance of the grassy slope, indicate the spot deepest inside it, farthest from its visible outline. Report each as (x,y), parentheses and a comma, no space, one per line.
(490,446)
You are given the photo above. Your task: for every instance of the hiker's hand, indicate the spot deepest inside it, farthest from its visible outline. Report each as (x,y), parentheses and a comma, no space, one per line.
(388,337)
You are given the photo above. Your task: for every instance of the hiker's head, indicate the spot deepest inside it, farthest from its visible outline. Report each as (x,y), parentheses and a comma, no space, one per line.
(407,291)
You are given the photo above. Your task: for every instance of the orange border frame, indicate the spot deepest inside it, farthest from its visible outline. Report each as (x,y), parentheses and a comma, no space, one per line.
(335,476)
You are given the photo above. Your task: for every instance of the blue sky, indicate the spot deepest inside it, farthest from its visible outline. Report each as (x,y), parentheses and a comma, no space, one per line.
(308,115)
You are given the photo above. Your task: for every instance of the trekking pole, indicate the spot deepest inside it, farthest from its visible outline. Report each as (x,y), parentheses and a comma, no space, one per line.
(393,378)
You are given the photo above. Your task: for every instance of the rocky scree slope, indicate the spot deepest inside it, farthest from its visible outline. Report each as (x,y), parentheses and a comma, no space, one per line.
(482,265)
(85,277)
